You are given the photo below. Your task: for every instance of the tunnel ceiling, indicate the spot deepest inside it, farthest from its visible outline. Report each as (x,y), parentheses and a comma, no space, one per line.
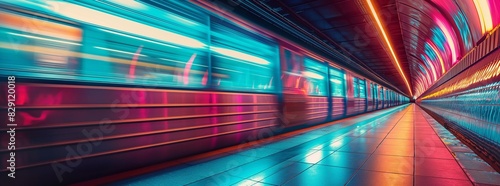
(428,36)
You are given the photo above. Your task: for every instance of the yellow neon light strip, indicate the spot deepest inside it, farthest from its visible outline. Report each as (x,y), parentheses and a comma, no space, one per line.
(379,24)
(484,74)
(62,52)
(483,11)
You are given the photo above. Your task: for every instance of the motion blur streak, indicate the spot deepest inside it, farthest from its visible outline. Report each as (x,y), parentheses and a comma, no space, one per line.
(483,11)
(109,21)
(165,78)
(131,70)
(438,54)
(484,74)
(470,101)
(188,68)
(38,49)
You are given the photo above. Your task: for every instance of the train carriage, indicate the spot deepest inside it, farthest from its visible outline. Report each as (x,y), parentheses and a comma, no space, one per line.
(173,81)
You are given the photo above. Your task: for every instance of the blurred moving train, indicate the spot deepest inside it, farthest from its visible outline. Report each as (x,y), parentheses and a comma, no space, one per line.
(108,86)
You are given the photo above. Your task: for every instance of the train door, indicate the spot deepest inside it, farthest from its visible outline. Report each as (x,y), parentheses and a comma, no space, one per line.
(387,98)
(338,92)
(375,93)
(294,103)
(369,96)
(373,96)
(356,102)
(382,98)
(318,104)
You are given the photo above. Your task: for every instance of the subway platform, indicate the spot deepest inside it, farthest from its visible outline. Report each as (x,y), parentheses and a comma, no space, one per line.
(396,146)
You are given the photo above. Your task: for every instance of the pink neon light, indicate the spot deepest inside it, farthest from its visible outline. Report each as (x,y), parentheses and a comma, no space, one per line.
(438,54)
(449,40)
(431,64)
(188,68)
(205,78)
(494,6)
(131,71)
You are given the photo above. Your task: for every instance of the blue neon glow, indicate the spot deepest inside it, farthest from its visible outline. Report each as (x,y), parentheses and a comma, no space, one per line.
(461,22)
(438,38)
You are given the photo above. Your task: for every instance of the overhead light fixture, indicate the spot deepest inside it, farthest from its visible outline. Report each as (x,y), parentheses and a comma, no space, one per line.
(240,55)
(312,75)
(44,39)
(119,51)
(386,38)
(110,21)
(336,81)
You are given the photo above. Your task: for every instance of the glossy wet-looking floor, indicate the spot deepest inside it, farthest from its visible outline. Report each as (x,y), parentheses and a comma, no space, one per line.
(396,146)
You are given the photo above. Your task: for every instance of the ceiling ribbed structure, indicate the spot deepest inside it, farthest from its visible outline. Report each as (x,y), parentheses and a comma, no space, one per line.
(427,37)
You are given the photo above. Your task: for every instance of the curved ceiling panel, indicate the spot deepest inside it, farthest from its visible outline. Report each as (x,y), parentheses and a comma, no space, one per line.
(438,33)
(428,37)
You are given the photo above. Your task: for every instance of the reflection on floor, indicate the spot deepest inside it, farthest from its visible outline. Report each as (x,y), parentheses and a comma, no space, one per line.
(397,146)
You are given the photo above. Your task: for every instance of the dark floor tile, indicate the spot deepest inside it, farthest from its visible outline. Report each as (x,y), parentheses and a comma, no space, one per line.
(476,165)
(258,152)
(345,159)
(420,131)
(367,140)
(287,154)
(314,144)
(427,137)
(270,171)
(433,152)
(322,175)
(316,156)
(429,181)
(385,130)
(460,148)
(426,142)
(260,165)
(467,156)
(287,173)
(395,150)
(370,178)
(301,156)
(224,178)
(397,142)
(248,182)
(333,145)
(485,177)
(255,167)
(359,148)
(392,164)
(404,135)
(442,168)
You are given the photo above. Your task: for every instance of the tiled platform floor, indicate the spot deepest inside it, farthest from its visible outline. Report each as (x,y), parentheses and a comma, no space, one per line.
(396,146)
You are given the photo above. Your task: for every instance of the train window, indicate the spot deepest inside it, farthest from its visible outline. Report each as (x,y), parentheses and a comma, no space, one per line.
(38,46)
(362,88)
(337,81)
(292,65)
(355,86)
(359,87)
(382,95)
(138,60)
(241,59)
(315,72)
(374,91)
